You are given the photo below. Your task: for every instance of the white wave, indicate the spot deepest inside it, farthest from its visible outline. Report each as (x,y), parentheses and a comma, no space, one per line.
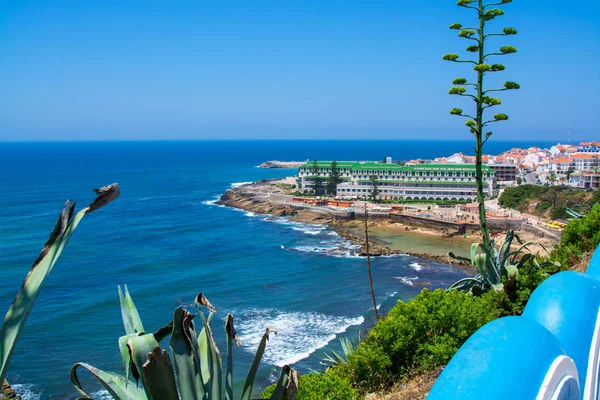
(102,395)
(387,296)
(407,280)
(238,184)
(308,230)
(415,266)
(299,334)
(213,202)
(250,214)
(394,255)
(27,391)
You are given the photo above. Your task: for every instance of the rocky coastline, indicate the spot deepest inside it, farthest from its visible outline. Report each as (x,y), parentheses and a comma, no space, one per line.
(257,198)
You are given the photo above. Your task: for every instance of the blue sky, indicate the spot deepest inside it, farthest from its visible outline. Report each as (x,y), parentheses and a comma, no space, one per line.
(117,69)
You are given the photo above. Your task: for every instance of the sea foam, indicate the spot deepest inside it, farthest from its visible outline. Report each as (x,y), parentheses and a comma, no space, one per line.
(415,266)
(238,184)
(407,280)
(298,334)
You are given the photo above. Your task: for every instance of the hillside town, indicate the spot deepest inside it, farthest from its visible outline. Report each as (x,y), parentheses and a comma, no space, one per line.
(573,165)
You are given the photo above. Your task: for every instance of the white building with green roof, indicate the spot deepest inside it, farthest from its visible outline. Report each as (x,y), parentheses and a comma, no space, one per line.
(399,182)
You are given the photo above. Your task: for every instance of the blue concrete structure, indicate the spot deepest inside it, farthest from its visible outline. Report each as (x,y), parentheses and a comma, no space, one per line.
(548,353)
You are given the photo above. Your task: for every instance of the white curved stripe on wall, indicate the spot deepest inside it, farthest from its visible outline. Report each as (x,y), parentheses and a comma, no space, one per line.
(590,391)
(561,370)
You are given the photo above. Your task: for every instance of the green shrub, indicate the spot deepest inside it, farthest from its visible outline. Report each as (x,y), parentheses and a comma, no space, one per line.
(332,385)
(420,335)
(580,236)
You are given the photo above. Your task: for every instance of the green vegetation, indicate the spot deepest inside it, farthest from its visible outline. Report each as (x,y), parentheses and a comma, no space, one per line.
(317,180)
(285,186)
(332,180)
(334,359)
(419,335)
(579,239)
(17,314)
(375,190)
(197,369)
(548,201)
(502,272)
(333,385)
(483,101)
(424,333)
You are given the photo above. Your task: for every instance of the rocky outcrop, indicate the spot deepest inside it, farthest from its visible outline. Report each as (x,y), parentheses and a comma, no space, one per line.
(8,393)
(257,202)
(257,198)
(281,164)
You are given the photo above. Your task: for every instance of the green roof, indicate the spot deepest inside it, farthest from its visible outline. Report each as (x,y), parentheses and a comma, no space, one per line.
(375,166)
(327,164)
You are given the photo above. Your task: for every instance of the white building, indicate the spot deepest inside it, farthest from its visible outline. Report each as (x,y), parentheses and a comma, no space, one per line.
(419,182)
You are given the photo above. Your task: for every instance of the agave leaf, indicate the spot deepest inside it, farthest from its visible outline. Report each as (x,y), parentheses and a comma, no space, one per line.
(505,248)
(247,391)
(126,357)
(498,287)
(480,261)
(282,383)
(474,250)
(465,259)
(214,384)
(205,369)
(465,283)
(23,303)
(115,384)
(139,347)
(231,336)
(189,378)
(131,319)
(158,375)
(347,347)
(292,386)
(512,273)
(163,332)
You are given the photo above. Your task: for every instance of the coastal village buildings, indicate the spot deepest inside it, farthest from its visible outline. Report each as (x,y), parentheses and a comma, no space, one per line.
(401,182)
(453,177)
(561,159)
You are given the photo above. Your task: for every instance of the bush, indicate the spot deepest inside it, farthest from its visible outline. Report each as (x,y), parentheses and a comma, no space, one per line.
(332,385)
(420,335)
(580,236)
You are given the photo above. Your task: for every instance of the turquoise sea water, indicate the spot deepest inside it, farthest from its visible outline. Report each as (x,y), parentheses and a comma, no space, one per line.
(167,241)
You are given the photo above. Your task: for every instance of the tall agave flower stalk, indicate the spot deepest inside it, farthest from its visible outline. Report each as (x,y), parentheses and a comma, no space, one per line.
(196,372)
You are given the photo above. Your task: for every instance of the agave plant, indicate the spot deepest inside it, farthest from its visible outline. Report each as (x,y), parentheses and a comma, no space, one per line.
(499,268)
(63,229)
(334,359)
(195,374)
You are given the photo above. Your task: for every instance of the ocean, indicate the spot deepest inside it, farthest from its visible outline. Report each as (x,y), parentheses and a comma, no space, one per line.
(167,240)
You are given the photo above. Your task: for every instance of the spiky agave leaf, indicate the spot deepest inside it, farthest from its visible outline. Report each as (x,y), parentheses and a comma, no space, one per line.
(231,337)
(249,384)
(287,384)
(159,377)
(59,237)
(213,356)
(131,318)
(464,284)
(184,346)
(115,384)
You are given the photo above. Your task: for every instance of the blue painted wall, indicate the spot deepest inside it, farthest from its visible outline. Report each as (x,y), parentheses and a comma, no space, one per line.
(548,353)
